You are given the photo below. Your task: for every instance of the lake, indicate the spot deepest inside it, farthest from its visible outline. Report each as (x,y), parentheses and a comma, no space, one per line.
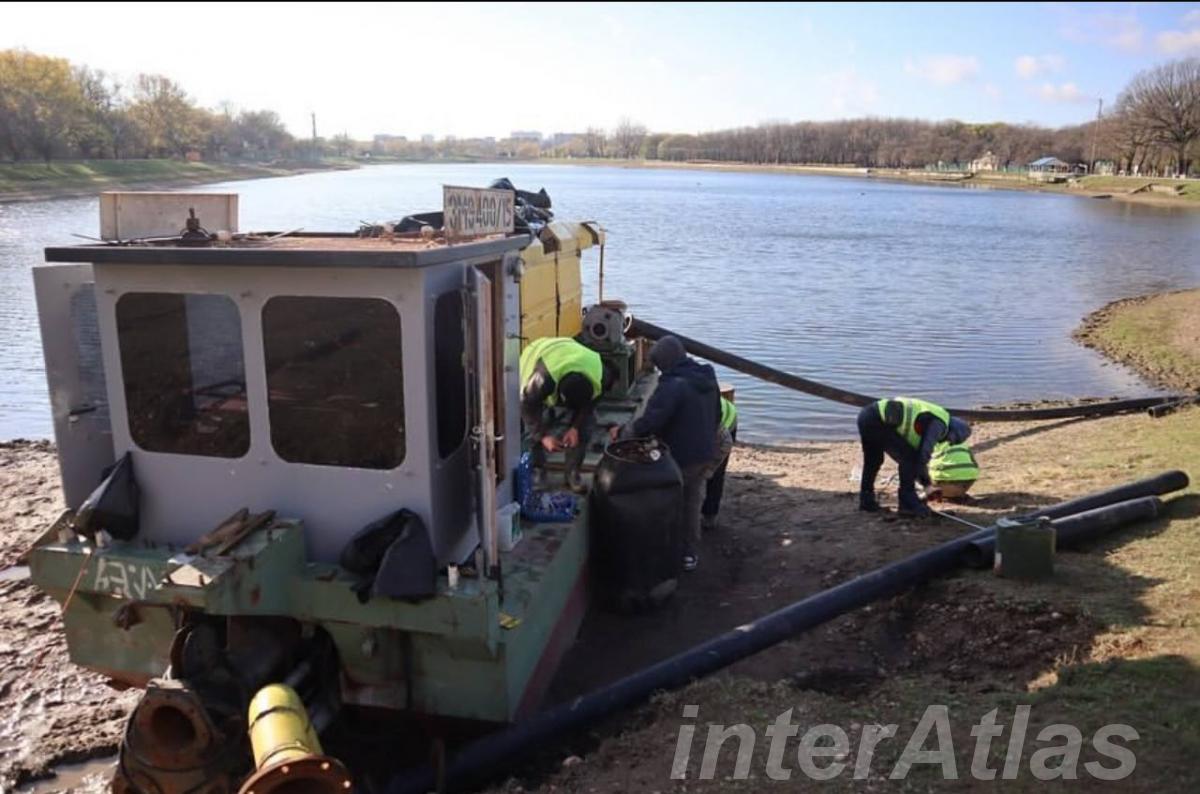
(961,296)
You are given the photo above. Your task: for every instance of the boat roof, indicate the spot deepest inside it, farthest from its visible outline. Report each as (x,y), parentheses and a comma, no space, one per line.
(298,249)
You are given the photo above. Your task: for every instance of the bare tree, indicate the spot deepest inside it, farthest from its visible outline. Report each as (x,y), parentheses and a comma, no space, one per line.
(1165,101)
(628,137)
(595,142)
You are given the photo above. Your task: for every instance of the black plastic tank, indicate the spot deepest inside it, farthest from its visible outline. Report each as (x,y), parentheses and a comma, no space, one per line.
(636,525)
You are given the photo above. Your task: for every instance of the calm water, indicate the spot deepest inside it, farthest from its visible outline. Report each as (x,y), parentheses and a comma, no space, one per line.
(958,295)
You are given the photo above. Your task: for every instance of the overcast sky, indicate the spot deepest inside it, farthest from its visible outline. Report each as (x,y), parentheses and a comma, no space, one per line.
(479,70)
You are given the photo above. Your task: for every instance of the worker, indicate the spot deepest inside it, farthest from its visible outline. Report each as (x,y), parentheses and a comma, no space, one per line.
(953,470)
(715,486)
(558,371)
(684,411)
(907,429)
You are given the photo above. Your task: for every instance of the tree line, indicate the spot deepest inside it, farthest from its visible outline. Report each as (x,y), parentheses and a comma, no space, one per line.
(1153,129)
(52,109)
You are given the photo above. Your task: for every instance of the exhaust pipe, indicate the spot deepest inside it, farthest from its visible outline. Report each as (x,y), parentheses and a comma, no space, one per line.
(287,753)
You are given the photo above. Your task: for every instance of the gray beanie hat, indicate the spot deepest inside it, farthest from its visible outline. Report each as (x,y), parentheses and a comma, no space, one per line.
(667,353)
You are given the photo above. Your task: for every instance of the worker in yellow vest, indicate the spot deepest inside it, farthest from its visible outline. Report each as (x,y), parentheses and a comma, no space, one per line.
(953,469)
(560,372)
(906,429)
(715,487)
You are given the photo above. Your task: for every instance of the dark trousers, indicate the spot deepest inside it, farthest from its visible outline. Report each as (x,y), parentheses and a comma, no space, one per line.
(877,439)
(715,487)
(572,457)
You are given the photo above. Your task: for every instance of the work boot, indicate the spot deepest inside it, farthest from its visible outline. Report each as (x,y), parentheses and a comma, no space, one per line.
(708,523)
(690,561)
(867,503)
(917,511)
(575,481)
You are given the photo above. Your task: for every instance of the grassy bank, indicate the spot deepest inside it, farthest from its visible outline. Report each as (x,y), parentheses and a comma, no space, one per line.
(1169,192)
(35,181)
(1158,335)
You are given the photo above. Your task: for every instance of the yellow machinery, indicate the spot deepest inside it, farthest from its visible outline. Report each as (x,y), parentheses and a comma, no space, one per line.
(551,288)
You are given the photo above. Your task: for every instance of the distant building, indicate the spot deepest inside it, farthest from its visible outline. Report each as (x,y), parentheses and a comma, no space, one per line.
(1048,169)
(383,139)
(1105,167)
(427,138)
(561,138)
(988,162)
(526,135)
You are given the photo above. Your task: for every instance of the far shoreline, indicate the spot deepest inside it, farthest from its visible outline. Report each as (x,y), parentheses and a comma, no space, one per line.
(156,175)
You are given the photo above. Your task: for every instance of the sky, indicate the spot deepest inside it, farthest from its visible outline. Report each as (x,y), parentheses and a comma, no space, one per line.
(485,70)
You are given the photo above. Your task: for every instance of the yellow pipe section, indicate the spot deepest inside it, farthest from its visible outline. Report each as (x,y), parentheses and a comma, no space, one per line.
(285,744)
(279,726)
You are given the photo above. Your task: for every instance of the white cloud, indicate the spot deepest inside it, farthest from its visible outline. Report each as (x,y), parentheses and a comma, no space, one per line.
(1066,93)
(1179,42)
(943,69)
(1122,31)
(1030,66)
(991,90)
(1192,17)
(850,93)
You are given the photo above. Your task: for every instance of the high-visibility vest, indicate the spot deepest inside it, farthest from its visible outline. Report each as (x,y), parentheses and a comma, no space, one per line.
(914,407)
(953,463)
(562,355)
(728,414)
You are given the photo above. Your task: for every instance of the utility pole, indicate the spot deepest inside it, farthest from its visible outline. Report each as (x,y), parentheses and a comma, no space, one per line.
(1096,134)
(314,136)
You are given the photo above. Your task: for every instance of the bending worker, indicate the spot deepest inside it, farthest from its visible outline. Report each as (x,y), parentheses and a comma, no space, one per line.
(558,371)
(907,429)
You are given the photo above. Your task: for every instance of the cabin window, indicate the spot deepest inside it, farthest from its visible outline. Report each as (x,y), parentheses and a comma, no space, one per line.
(334,381)
(450,372)
(184,376)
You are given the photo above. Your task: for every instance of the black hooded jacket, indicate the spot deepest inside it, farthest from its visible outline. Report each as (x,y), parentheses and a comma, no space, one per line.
(684,412)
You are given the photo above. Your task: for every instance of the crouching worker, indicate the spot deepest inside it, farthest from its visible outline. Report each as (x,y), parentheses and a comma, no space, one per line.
(560,372)
(684,411)
(906,429)
(715,487)
(953,470)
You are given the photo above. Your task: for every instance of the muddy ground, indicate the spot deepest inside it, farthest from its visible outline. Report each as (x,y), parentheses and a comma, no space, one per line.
(789,528)
(50,710)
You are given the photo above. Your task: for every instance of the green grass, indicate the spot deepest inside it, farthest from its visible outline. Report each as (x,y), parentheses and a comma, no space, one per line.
(1160,335)
(72,175)
(1125,184)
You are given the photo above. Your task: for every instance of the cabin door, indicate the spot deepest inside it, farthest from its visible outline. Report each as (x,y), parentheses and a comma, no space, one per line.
(483,419)
(66,301)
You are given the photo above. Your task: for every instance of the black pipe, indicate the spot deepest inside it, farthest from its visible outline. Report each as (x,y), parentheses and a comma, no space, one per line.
(640,327)
(1074,530)
(1158,485)
(488,754)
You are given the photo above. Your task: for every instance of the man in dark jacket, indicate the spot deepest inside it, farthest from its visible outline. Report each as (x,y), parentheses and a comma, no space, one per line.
(684,412)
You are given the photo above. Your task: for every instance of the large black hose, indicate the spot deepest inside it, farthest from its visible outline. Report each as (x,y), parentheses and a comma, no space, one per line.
(640,327)
(1073,530)
(490,753)
(1158,485)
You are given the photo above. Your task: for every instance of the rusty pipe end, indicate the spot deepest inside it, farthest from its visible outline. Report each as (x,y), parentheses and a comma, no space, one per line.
(314,774)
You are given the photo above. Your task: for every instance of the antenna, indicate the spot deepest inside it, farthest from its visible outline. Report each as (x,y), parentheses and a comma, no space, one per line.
(1096,134)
